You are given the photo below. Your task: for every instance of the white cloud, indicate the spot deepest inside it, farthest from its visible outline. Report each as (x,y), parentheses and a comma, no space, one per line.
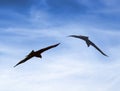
(62,74)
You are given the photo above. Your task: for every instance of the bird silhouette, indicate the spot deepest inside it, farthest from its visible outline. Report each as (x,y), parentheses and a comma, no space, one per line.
(88,42)
(36,54)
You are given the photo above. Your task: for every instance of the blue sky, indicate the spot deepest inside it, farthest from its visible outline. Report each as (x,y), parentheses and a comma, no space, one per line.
(34,24)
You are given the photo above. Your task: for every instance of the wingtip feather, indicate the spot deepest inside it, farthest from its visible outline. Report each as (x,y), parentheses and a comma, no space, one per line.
(14,66)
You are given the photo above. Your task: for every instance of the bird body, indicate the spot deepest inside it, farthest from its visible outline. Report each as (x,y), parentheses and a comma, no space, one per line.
(36,54)
(88,42)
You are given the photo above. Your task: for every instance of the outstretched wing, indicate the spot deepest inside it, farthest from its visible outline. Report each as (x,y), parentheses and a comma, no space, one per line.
(47,48)
(79,36)
(24,60)
(91,43)
(75,36)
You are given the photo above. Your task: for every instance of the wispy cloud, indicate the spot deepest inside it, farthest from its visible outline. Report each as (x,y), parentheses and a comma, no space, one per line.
(79,67)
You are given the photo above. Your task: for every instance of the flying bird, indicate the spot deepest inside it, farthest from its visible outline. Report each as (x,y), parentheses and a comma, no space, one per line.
(36,54)
(88,42)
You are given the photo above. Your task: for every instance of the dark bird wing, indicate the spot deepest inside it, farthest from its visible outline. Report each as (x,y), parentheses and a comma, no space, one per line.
(24,60)
(91,43)
(79,36)
(47,48)
(75,36)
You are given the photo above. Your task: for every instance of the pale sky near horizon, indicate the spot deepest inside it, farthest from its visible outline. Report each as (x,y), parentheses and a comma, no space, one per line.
(27,25)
